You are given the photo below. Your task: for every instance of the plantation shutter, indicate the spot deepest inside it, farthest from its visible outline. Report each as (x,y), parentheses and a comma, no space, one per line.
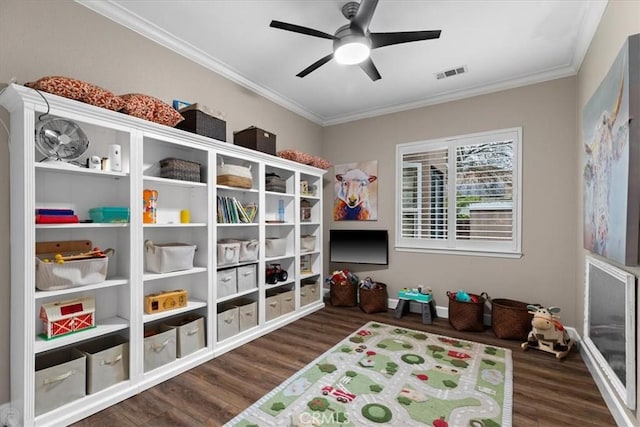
(460,193)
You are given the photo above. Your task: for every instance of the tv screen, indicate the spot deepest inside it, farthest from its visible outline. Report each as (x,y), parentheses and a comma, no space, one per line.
(359,246)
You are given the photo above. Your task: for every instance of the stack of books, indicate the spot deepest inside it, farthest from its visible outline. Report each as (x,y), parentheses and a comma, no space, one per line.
(56,216)
(230,210)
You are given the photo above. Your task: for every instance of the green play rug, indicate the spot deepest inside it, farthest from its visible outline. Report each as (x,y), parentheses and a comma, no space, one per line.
(391,376)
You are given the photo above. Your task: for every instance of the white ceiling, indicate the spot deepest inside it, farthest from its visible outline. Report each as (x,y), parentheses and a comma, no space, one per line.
(502,43)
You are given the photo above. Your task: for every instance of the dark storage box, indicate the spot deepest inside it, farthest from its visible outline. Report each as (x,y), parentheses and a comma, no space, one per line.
(196,121)
(180,169)
(256,139)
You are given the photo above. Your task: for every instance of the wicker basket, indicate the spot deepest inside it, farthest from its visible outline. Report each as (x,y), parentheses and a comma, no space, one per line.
(467,316)
(373,300)
(180,169)
(510,319)
(343,294)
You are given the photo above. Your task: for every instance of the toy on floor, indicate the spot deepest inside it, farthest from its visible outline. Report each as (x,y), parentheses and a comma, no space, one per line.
(547,333)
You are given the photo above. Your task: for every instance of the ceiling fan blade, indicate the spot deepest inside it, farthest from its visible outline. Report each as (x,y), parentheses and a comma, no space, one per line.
(368,66)
(364,14)
(302,30)
(319,63)
(387,39)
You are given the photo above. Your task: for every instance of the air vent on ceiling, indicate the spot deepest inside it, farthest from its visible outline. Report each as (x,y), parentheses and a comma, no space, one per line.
(452,72)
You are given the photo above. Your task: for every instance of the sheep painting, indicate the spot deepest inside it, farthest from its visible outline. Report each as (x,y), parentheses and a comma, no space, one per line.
(355,196)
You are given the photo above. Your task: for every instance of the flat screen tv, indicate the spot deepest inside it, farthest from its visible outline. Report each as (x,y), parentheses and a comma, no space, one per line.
(359,246)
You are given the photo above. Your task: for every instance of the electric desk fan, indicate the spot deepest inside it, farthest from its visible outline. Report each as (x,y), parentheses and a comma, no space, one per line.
(61,140)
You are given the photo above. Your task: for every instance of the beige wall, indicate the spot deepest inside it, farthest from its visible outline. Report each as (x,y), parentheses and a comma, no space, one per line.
(621,19)
(544,274)
(39,38)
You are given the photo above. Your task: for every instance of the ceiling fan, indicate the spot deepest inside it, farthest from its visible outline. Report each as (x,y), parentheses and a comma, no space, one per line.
(353,42)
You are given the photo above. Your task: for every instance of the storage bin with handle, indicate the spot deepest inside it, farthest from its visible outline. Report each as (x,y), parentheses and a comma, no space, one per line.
(167,257)
(307,243)
(234,175)
(275,246)
(467,316)
(249,249)
(228,252)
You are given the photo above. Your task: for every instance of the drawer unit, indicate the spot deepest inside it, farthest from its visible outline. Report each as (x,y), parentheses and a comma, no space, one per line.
(247,277)
(159,348)
(227,282)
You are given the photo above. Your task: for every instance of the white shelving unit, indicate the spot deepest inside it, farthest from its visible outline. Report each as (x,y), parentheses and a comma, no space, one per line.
(120,298)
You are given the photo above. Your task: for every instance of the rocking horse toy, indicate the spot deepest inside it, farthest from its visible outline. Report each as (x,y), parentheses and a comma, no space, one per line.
(547,333)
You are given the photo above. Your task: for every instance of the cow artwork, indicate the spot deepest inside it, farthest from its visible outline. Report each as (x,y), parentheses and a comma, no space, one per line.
(547,333)
(356,192)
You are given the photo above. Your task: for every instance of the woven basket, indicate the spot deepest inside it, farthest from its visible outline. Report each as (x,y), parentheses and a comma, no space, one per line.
(467,316)
(343,294)
(180,169)
(510,319)
(373,300)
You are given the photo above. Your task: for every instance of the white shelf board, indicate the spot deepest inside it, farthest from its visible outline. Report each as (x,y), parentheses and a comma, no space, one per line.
(177,224)
(174,182)
(242,190)
(103,285)
(191,305)
(237,224)
(278,194)
(306,275)
(80,225)
(277,285)
(277,258)
(237,295)
(156,276)
(53,167)
(103,327)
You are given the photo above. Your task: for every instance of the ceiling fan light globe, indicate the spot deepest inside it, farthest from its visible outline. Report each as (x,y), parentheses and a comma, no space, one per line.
(352,53)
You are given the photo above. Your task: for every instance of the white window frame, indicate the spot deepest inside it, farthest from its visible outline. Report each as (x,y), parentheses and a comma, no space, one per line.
(451,245)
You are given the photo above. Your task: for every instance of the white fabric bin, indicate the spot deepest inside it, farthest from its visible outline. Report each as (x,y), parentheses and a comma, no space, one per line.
(247,277)
(307,243)
(248,251)
(228,323)
(190,334)
(228,253)
(167,257)
(287,302)
(159,349)
(308,293)
(226,282)
(275,246)
(248,315)
(272,307)
(51,276)
(60,378)
(107,362)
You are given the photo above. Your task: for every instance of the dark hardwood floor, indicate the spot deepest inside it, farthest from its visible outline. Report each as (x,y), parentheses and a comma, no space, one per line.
(546,391)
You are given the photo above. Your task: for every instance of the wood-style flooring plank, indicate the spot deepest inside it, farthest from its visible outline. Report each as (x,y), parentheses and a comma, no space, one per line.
(546,392)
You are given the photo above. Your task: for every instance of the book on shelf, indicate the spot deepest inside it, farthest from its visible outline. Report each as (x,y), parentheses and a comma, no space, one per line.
(231,211)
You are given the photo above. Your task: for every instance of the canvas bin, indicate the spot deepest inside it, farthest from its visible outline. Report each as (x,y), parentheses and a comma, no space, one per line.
(287,302)
(272,306)
(228,252)
(467,316)
(107,362)
(228,322)
(343,294)
(247,314)
(249,249)
(51,276)
(159,348)
(308,293)
(307,243)
(60,378)
(190,333)
(247,278)
(373,300)
(167,257)
(510,319)
(227,282)
(275,246)
(234,176)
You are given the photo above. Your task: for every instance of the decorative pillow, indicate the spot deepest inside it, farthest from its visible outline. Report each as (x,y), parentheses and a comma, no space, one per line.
(79,91)
(304,158)
(150,108)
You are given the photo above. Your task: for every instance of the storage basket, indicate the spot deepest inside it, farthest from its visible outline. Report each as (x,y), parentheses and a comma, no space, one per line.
(234,176)
(180,169)
(307,243)
(167,257)
(510,319)
(202,123)
(273,182)
(249,249)
(228,252)
(51,276)
(467,316)
(373,300)
(343,294)
(275,246)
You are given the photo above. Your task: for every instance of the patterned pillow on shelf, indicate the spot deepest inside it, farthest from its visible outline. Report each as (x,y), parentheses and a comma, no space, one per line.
(150,108)
(78,90)
(304,158)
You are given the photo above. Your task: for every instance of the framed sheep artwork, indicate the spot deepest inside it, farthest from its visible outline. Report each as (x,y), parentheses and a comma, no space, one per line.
(356,191)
